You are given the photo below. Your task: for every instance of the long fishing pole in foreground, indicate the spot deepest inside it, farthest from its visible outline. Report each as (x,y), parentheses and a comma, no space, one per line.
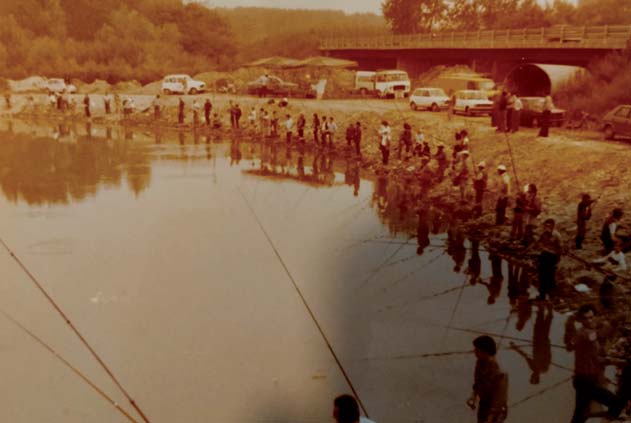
(306,304)
(75,330)
(70,366)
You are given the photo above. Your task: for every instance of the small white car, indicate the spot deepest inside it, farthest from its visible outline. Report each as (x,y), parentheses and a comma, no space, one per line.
(58,85)
(473,102)
(433,99)
(181,84)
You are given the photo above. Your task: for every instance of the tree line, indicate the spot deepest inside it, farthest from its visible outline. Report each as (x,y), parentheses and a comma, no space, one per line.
(119,40)
(422,16)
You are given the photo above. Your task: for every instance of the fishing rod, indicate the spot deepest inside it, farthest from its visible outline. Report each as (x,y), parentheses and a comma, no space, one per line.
(76,331)
(430,355)
(412,273)
(69,365)
(305,303)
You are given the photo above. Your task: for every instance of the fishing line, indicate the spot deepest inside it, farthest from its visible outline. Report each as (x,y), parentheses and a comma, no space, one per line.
(542,391)
(306,304)
(70,366)
(427,355)
(413,272)
(76,331)
(453,312)
(376,270)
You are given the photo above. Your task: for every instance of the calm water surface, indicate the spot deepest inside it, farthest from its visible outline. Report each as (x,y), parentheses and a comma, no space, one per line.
(148,243)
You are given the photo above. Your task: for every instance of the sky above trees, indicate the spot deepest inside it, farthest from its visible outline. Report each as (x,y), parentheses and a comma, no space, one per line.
(348,6)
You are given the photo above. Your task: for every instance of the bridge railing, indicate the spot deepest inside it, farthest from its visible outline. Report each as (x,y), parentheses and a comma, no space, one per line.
(604,37)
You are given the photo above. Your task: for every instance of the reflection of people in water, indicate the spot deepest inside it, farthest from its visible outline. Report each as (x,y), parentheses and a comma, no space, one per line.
(474,265)
(235,151)
(355,178)
(455,245)
(541,348)
(300,166)
(422,229)
(381,192)
(495,283)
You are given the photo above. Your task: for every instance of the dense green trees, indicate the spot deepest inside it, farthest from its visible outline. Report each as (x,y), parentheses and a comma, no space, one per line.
(113,40)
(145,39)
(411,16)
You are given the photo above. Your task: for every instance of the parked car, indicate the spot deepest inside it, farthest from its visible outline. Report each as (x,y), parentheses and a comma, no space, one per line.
(58,85)
(472,102)
(277,87)
(533,110)
(182,84)
(617,122)
(433,99)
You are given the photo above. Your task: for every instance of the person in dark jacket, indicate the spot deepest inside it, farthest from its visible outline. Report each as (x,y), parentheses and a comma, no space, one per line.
(86,105)
(316,129)
(350,133)
(180,111)
(357,138)
(490,385)
(208,107)
(502,110)
(583,214)
(608,232)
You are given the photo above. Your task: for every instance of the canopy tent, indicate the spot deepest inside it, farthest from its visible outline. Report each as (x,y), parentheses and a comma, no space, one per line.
(325,62)
(273,62)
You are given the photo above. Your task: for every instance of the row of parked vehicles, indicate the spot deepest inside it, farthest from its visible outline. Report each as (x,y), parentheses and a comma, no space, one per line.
(477,102)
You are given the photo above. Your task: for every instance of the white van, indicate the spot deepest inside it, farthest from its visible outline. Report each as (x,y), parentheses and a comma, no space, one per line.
(392,83)
(365,82)
(181,84)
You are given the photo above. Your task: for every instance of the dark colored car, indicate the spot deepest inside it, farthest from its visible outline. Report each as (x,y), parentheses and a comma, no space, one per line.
(277,87)
(532,111)
(617,122)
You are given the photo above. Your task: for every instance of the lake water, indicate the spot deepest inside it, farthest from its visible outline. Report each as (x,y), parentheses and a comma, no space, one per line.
(156,246)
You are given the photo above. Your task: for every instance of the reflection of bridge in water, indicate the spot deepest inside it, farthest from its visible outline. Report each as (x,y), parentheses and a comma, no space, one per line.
(496,50)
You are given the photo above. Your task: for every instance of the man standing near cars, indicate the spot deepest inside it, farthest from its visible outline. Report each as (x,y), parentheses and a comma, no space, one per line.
(264,83)
(237,115)
(301,127)
(180,111)
(501,116)
(86,105)
(357,138)
(208,107)
(107,101)
(156,107)
(289,127)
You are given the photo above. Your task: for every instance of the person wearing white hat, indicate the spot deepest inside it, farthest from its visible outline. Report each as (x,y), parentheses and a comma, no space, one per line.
(479,185)
(504,192)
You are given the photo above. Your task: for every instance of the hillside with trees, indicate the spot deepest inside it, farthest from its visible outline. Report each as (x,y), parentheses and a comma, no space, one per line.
(418,16)
(145,39)
(264,32)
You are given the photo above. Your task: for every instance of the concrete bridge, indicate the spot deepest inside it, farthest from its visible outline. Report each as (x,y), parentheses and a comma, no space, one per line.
(493,51)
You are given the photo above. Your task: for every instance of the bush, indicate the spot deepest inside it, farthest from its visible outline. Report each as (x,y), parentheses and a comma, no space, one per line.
(599,90)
